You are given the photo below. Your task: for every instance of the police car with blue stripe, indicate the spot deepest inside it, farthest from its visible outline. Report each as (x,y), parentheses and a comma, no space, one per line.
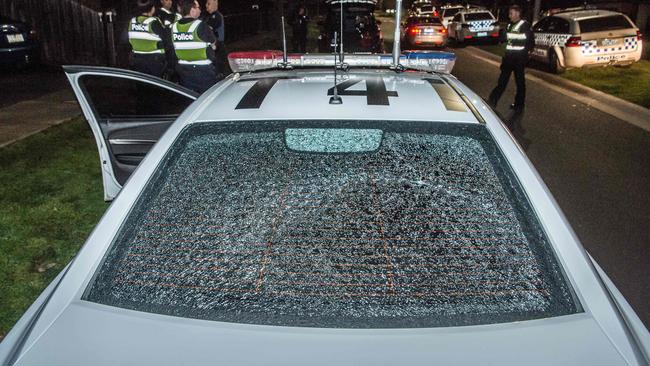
(577,38)
(322,209)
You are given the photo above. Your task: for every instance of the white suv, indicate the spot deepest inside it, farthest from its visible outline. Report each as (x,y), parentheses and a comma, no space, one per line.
(586,38)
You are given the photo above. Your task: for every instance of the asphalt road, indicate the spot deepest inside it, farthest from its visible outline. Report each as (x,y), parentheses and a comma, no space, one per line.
(596,166)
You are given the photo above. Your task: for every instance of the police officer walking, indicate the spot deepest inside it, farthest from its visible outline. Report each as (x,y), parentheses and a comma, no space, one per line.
(519,42)
(194,45)
(148,41)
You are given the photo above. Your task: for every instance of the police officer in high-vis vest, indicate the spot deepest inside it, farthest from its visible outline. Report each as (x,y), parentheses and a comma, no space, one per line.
(194,45)
(148,41)
(519,42)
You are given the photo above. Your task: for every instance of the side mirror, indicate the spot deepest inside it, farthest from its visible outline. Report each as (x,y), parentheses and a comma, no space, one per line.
(464,25)
(495,23)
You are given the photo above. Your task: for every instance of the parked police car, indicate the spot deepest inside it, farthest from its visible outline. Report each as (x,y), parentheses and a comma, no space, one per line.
(289,217)
(447,12)
(583,38)
(473,24)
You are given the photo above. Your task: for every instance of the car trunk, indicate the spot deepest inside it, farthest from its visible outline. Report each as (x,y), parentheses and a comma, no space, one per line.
(87,333)
(608,35)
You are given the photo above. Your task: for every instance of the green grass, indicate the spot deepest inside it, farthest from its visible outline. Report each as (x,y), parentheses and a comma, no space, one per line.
(629,83)
(50,200)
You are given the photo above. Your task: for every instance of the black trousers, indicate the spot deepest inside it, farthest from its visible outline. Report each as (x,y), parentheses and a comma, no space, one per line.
(197,77)
(509,65)
(152,64)
(300,41)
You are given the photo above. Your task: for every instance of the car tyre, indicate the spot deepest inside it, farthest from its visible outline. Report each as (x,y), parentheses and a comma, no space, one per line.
(554,63)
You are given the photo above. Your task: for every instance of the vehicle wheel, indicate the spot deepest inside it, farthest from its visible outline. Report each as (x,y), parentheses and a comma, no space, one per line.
(554,64)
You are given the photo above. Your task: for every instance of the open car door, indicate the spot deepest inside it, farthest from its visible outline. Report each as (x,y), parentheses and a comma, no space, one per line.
(128,112)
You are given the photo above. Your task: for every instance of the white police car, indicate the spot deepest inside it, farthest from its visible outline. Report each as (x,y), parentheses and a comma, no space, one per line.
(584,38)
(280,220)
(473,24)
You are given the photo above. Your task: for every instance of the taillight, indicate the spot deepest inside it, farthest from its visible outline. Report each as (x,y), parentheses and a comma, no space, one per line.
(573,42)
(414,30)
(639,35)
(443,30)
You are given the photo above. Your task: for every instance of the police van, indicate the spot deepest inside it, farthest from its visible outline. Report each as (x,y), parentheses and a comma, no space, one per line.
(320,209)
(584,38)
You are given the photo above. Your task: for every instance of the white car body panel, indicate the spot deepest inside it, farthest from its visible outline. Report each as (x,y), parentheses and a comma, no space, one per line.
(626,50)
(70,330)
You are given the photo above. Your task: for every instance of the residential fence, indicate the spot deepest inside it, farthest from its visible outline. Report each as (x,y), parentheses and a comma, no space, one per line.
(71,33)
(68,32)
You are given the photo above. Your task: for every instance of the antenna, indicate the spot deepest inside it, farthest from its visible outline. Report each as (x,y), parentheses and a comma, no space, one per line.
(335,99)
(398,35)
(341,49)
(284,46)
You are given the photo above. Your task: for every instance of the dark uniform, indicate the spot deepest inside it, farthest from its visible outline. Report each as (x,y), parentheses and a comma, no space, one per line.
(299,24)
(167,17)
(216,23)
(148,43)
(519,42)
(193,40)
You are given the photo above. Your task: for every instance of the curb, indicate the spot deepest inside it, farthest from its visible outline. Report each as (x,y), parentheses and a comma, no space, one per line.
(614,106)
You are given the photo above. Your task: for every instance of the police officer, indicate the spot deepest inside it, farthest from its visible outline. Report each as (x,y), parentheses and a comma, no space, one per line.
(299,23)
(165,13)
(519,42)
(148,41)
(194,45)
(215,20)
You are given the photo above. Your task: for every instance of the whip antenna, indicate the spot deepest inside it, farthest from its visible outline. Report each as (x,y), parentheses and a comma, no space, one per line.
(335,99)
(398,35)
(284,45)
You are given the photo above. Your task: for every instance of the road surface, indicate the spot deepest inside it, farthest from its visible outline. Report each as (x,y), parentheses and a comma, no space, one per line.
(596,166)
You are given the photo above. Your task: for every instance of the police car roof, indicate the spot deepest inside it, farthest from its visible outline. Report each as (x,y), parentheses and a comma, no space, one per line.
(367,94)
(584,14)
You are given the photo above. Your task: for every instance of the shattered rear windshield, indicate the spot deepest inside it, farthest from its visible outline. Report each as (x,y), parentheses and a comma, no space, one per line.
(390,224)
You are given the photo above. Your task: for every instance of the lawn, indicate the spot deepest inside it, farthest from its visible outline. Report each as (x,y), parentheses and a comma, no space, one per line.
(50,201)
(629,83)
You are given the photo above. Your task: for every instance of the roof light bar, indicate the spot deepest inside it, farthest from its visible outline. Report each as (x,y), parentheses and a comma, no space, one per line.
(429,61)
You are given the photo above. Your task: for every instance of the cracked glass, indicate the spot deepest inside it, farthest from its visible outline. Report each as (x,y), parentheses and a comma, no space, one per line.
(429,228)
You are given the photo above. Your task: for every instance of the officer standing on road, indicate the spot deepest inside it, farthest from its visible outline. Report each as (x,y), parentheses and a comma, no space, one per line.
(216,22)
(166,15)
(148,41)
(519,42)
(299,24)
(194,45)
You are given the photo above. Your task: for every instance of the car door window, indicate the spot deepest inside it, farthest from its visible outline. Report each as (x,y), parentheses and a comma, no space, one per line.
(128,113)
(542,25)
(456,19)
(563,26)
(128,98)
